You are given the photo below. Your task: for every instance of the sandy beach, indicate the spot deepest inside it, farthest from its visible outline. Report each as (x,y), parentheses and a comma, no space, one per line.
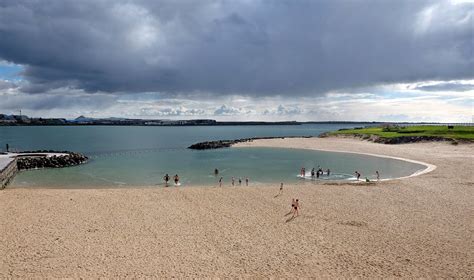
(421,226)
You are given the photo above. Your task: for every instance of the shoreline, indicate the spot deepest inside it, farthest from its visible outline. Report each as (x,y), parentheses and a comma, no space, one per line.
(418,227)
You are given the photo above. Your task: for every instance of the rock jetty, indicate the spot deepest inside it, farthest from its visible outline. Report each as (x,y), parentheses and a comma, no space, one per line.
(34,159)
(228,143)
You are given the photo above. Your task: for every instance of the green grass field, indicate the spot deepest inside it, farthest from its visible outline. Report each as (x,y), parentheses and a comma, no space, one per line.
(457,132)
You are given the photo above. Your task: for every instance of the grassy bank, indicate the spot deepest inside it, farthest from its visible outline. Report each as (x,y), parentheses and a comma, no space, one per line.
(455,132)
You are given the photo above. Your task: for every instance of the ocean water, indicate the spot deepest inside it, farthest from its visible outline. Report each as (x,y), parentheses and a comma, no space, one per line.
(124,156)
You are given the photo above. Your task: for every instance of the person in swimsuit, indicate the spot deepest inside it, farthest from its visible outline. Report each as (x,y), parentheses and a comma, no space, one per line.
(220,181)
(233,181)
(247,181)
(293,203)
(176,179)
(328,172)
(281,189)
(296,206)
(312,173)
(378,175)
(317,174)
(216,172)
(166,178)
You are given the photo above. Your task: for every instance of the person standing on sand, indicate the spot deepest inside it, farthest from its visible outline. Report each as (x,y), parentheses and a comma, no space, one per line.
(378,175)
(166,178)
(220,181)
(176,179)
(247,181)
(296,207)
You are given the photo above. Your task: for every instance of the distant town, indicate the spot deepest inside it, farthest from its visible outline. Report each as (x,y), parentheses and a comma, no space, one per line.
(23,120)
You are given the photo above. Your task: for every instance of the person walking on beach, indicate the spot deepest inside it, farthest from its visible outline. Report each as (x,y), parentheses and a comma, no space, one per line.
(176,179)
(166,178)
(293,203)
(281,189)
(220,181)
(296,206)
(378,175)
(240,181)
(317,175)
(247,181)
(357,175)
(233,181)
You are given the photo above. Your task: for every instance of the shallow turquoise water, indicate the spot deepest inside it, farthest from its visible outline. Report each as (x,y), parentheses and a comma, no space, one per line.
(136,156)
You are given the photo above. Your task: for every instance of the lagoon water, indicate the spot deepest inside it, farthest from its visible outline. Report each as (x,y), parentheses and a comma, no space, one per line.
(123,156)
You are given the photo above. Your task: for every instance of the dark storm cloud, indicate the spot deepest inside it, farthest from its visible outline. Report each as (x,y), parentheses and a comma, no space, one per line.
(447,86)
(227,47)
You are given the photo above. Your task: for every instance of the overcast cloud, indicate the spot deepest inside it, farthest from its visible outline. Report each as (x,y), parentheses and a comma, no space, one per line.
(229,47)
(212,49)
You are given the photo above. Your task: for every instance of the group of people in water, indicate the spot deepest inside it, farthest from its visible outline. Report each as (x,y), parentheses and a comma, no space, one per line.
(167,178)
(315,173)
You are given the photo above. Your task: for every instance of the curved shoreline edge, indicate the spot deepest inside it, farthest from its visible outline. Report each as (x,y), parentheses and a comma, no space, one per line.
(428,166)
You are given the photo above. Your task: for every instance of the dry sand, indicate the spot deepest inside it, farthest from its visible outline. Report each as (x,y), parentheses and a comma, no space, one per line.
(416,227)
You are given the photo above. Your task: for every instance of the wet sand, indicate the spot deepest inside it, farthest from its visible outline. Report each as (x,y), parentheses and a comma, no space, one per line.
(420,226)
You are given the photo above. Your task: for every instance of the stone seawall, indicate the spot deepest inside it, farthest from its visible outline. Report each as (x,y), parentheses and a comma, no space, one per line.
(7,174)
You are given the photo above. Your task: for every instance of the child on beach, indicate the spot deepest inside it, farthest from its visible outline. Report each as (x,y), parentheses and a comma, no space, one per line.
(166,178)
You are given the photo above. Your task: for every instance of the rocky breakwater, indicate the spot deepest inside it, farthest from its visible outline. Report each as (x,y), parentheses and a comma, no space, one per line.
(228,143)
(48,159)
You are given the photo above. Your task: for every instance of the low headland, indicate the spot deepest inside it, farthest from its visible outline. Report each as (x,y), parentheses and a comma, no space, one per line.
(417,227)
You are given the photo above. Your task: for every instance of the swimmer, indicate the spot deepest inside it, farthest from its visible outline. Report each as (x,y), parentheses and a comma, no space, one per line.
(166,178)
(176,179)
(216,172)
(378,175)
(247,181)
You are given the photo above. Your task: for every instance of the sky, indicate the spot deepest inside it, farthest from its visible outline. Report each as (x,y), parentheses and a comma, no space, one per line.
(304,60)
